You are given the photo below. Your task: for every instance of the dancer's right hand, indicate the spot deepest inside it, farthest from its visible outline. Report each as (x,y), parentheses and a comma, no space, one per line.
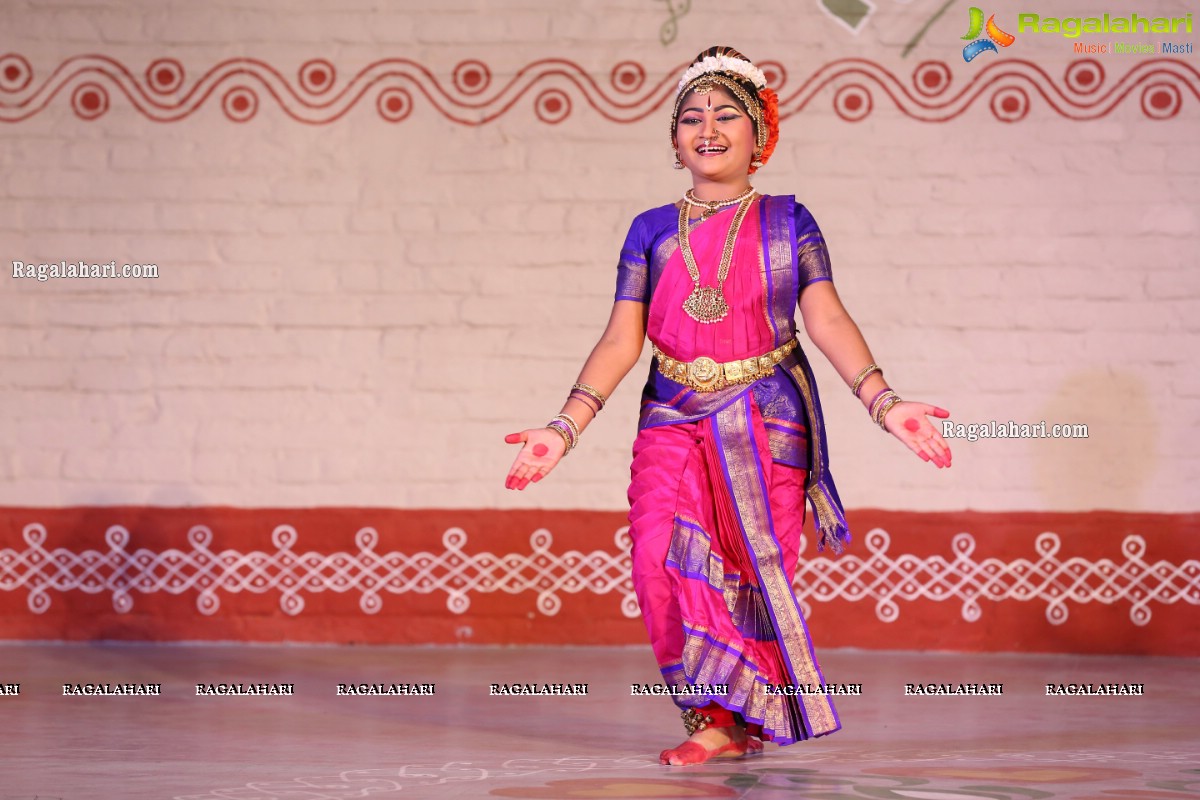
(542,451)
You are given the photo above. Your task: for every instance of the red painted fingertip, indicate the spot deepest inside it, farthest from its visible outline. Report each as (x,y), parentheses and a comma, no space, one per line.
(524,483)
(941,413)
(923,456)
(540,449)
(912,424)
(513,438)
(537,477)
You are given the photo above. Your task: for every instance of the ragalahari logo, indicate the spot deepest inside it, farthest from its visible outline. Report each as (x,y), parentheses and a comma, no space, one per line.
(995,35)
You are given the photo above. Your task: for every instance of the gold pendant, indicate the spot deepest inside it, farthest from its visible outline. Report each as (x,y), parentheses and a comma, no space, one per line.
(706,304)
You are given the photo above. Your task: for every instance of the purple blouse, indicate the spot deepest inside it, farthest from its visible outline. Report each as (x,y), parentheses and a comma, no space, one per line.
(653,237)
(649,245)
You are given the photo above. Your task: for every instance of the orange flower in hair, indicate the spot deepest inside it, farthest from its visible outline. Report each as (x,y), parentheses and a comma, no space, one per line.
(770,107)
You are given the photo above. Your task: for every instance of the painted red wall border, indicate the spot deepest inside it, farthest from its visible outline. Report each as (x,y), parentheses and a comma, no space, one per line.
(931,92)
(1085,542)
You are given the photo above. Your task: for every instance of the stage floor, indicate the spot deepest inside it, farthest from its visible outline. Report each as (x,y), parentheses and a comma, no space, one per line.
(461,741)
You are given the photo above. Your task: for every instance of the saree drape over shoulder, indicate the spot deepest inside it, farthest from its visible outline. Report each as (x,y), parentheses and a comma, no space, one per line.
(719,479)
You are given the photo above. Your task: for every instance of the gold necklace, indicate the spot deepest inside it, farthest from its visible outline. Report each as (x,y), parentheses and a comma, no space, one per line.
(713,206)
(706,304)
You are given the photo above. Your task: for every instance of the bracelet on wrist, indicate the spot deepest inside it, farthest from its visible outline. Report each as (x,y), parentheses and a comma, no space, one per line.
(592,392)
(878,401)
(571,423)
(560,427)
(871,406)
(861,377)
(587,400)
(883,414)
(885,405)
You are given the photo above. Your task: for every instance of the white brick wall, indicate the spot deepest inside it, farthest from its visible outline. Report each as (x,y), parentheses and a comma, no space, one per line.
(356,313)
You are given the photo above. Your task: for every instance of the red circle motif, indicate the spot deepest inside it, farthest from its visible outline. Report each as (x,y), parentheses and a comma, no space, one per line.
(15,73)
(628,76)
(1161,100)
(1010,104)
(852,102)
(931,78)
(164,75)
(1084,76)
(775,74)
(317,76)
(394,104)
(240,104)
(472,77)
(552,106)
(89,100)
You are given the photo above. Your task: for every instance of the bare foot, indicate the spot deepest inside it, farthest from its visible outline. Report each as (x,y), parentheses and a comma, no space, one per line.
(709,743)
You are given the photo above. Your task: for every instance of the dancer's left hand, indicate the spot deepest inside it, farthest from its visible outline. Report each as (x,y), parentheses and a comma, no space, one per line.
(908,422)
(542,451)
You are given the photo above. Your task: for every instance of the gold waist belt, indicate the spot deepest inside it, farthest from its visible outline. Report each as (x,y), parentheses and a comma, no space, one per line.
(707,375)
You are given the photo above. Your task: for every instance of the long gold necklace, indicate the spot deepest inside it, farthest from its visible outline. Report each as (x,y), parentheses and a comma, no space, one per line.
(706,304)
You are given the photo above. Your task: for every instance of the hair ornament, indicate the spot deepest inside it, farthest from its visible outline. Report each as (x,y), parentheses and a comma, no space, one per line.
(770,112)
(723,63)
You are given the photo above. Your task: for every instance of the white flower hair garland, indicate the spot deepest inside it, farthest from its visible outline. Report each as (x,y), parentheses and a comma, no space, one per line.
(723,64)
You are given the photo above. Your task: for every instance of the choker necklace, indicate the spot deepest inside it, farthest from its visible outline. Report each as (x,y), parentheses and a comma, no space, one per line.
(713,206)
(706,304)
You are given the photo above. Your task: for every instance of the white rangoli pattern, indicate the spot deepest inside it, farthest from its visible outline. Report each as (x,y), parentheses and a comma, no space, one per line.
(878,575)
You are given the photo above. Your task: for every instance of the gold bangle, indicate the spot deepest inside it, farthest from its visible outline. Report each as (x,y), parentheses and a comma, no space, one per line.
(878,400)
(885,407)
(866,372)
(592,392)
(884,413)
(567,418)
(566,437)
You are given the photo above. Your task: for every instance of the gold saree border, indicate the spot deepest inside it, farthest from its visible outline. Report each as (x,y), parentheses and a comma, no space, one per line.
(747,489)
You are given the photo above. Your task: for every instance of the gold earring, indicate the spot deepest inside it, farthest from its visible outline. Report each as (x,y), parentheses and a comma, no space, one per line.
(678,164)
(757,162)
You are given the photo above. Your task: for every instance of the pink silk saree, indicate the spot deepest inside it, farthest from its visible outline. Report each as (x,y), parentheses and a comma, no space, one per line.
(715,520)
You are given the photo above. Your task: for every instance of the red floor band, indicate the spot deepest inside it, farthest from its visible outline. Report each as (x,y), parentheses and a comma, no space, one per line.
(1093,582)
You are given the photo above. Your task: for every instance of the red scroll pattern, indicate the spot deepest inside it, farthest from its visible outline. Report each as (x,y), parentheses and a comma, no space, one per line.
(553,88)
